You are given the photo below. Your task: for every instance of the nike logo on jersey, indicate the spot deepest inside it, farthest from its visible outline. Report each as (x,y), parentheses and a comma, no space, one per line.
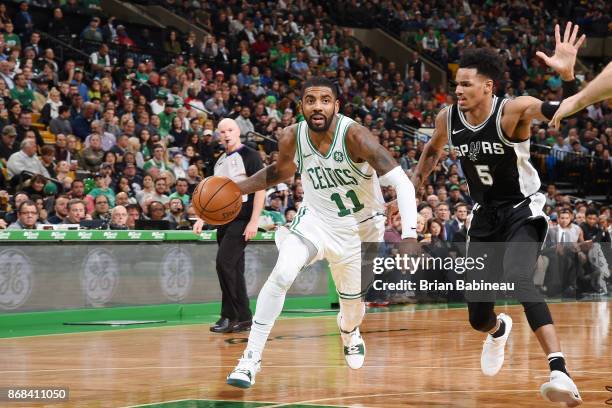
(307,155)
(457,131)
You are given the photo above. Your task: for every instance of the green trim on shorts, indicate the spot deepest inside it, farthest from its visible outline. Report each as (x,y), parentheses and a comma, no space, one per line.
(349,296)
(297,218)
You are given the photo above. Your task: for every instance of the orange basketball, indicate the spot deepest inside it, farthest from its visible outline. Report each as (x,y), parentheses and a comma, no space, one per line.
(217,200)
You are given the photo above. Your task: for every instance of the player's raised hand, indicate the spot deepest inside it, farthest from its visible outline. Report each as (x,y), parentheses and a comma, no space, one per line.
(564,58)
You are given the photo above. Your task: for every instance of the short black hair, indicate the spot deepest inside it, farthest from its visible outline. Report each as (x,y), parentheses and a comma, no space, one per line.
(592,211)
(320,81)
(63,109)
(486,61)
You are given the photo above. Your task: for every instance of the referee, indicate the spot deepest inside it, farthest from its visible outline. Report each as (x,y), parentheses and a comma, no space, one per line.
(238,162)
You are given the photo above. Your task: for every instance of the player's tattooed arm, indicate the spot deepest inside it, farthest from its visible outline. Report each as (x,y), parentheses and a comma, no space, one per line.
(363,146)
(432,150)
(275,173)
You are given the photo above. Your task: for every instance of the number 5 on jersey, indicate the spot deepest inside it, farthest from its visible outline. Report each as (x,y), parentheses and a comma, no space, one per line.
(357,206)
(484,173)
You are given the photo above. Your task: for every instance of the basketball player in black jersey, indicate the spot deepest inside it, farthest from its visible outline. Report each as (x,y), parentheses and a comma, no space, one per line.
(491,136)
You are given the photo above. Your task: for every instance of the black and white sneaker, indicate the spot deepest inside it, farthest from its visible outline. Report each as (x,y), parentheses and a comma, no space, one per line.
(243,376)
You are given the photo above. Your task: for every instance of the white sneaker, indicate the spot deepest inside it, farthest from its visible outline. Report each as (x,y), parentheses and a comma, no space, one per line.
(492,357)
(353,346)
(248,366)
(561,388)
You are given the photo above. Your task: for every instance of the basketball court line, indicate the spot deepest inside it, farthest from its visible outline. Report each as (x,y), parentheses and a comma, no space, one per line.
(371,313)
(203,367)
(259,404)
(420,393)
(194,399)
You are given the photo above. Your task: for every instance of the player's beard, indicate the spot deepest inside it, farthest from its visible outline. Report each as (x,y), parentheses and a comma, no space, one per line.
(322,128)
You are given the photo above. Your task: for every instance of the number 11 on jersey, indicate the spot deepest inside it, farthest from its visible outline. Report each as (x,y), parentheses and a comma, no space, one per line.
(357,206)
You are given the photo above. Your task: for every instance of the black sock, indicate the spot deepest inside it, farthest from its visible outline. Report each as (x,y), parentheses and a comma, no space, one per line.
(502,329)
(557,363)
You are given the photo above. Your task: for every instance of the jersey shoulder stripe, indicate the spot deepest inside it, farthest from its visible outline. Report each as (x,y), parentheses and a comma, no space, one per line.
(500,131)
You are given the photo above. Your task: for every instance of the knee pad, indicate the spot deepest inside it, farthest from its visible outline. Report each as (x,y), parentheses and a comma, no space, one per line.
(537,314)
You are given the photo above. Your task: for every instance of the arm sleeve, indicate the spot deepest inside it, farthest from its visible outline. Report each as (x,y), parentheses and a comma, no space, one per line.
(406,199)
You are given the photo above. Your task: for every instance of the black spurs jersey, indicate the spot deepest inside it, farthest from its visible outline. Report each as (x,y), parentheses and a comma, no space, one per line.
(496,169)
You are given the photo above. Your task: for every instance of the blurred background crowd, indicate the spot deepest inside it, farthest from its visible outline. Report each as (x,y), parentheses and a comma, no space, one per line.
(108,124)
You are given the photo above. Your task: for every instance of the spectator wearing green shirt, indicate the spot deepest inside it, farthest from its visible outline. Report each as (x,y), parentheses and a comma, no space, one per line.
(102,188)
(11,40)
(182,188)
(158,160)
(331,48)
(279,57)
(166,117)
(276,208)
(22,93)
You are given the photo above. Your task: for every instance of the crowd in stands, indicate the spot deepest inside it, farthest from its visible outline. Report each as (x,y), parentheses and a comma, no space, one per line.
(126,139)
(443,29)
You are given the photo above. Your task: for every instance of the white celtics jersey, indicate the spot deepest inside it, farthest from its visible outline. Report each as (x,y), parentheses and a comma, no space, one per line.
(338,190)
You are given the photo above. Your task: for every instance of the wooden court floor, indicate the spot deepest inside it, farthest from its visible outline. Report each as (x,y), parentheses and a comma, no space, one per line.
(425,358)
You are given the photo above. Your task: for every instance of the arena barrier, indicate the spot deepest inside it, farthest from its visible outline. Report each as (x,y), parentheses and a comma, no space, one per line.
(65,270)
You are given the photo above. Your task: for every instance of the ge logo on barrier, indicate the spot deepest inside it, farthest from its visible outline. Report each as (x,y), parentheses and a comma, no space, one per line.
(176,274)
(16,279)
(100,276)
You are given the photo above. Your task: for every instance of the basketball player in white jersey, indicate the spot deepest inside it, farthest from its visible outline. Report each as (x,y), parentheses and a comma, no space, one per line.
(339,161)
(491,136)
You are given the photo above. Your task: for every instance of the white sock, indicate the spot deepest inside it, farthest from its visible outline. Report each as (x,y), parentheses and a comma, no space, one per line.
(293,254)
(352,312)
(555,354)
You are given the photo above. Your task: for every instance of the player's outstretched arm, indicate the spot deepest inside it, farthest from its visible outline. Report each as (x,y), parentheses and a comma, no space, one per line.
(363,146)
(275,173)
(432,150)
(597,90)
(520,111)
